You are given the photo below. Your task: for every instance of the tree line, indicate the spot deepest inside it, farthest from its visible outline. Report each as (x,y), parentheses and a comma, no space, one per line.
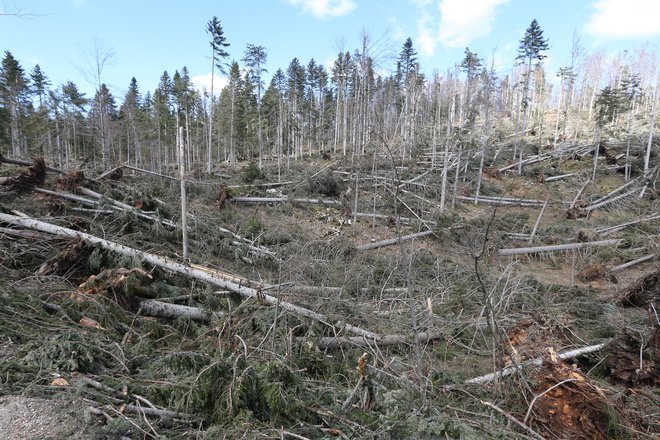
(352,109)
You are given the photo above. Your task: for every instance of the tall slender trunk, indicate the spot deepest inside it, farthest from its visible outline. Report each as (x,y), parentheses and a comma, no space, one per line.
(561,93)
(647,156)
(210,139)
(184,202)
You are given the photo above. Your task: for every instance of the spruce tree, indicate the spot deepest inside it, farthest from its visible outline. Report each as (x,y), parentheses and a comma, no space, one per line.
(531,48)
(218,53)
(13,98)
(40,84)
(255,59)
(407,58)
(470,65)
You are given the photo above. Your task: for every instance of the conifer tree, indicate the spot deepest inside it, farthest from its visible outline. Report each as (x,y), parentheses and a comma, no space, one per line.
(470,65)
(13,97)
(531,48)
(255,59)
(218,53)
(40,83)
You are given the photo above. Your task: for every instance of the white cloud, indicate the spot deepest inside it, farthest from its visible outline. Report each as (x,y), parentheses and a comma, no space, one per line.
(203,83)
(425,37)
(463,21)
(325,8)
(624,19)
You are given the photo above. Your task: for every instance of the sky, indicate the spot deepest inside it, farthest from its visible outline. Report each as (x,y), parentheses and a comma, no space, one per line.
(143,38)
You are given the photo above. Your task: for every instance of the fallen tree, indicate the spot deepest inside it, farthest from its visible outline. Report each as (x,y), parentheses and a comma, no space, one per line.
(329,342)
(284,200)
(507,371)
(206,275)
(391,241)
(557,247)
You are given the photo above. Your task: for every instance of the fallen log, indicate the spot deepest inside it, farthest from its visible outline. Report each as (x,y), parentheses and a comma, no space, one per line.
(562,176)
(502,202)
(331,343)
(612,200)
(606,231)
(538,219)
(325,202)
(67,196)
(624,266)
(128,208)
(26,163)
(391,241)
(579,193)
(508,371)
(159,309)
(374,216)
(557,247)
(206,276)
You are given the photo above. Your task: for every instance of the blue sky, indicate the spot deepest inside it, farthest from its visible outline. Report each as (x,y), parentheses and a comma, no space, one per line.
(147,37)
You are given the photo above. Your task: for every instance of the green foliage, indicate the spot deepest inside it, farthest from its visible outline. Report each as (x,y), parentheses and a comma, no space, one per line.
(275,237)
(251,172)
(95,260)
(533,44)
(252,227)
(71,351)
(326,184)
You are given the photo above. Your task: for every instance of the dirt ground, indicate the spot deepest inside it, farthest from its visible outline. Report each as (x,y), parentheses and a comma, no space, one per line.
(27,418)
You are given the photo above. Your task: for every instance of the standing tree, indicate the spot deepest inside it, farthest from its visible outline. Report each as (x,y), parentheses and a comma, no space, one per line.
(13,97)
(531,48)
(41,134)
(407,74)
(608,104)
(630,86)
(255,59)
(40,83)
(470,65)
(102,113)
(130,114)
(218,43)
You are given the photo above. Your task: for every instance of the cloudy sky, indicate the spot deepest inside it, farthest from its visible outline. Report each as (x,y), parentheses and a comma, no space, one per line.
(146,37)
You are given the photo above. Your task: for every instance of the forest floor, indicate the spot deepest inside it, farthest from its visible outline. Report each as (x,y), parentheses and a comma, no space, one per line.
(86,354)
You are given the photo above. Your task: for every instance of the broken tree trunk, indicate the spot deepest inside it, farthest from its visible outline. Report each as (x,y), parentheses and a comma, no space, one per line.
(26,163)
(67,196)
(612,200)
(606,231)
(508,371)
(501,201)
(624,266)
(557,247)
(284,200)
(158,309)
(391,241)
(330,343)
(579,193)
(206,276)
(124,207)
(538,220)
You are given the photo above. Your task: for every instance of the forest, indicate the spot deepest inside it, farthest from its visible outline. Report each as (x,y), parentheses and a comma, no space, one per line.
(363,251)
